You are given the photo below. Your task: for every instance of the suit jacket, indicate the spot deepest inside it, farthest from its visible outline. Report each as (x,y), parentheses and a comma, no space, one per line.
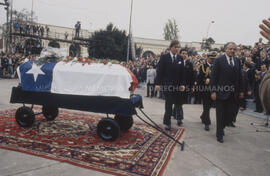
(169,73)
(202,76)
(189,74)
(225,79)
(246,83)
(151,75)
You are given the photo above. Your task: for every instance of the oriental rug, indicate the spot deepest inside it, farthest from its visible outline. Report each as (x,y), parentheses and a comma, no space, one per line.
(72,138)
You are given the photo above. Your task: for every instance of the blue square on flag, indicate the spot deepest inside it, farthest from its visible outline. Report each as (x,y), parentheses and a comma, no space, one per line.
(37,78)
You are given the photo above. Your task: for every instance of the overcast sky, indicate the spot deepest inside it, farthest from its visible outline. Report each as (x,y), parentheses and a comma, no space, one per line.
(235,20)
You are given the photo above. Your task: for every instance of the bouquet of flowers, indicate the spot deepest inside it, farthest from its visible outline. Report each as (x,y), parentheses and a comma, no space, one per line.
(89,61)
(51,54)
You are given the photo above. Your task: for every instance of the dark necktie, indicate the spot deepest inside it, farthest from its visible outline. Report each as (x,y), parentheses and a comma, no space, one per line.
(231,63)
(174,58)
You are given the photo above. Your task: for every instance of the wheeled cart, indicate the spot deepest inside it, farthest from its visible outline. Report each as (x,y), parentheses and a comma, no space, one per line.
(108,128)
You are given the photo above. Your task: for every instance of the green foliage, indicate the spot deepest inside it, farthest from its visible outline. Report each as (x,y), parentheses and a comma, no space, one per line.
(109,43)
(170,30)
(23,16)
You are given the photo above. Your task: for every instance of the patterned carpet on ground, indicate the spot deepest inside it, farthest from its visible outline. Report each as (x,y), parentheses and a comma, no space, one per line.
(72,138)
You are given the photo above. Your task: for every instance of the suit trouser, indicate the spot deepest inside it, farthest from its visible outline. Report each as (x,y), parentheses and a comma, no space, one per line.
(236,107)
(178,112)
(224,113)
(207,103)
(150,89)
(169,101)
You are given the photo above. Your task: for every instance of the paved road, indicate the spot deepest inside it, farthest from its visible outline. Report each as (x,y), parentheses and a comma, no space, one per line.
(244,152)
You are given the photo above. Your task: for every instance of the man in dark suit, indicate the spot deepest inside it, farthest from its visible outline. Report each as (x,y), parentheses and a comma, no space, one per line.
(170,78)
(227,88)
(189,80)
(204,88)
(246,83)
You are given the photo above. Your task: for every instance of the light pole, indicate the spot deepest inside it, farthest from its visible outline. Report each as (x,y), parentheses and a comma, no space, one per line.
(129,33)
(207,32)
(7,32)
(208,28)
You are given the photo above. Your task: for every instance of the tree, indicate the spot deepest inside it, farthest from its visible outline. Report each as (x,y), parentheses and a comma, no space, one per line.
(23,16)
(110,43)
(206,44)
(170,30)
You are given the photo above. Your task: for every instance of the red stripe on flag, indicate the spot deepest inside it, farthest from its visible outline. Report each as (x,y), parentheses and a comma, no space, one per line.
(134,80)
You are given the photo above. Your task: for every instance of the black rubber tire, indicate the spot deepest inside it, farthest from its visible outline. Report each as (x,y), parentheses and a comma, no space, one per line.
(125,122)
(50,112)
(108,129)
(25,117)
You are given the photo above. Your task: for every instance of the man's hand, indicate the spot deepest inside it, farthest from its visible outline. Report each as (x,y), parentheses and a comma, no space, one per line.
(241,96)
(157,87)
(214,96)
(265,29)
(182,88)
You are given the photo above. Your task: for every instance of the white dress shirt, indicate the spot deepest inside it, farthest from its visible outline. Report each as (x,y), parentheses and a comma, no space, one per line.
(228,59)
(173,55)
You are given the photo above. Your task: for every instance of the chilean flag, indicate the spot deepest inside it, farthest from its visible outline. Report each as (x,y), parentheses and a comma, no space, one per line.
(36,78)
(77,79)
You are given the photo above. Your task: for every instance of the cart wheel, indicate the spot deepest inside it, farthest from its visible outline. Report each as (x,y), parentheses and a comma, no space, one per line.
(108,129)
(25,116)
(125,122)
(50,112)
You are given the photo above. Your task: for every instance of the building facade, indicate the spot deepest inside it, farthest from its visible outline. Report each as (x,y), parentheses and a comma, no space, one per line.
(63,37)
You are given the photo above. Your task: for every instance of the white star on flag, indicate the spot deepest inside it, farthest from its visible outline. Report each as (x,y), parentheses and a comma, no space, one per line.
(35,70)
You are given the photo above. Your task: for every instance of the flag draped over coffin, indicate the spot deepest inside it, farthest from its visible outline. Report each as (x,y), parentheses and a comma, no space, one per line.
(77,79)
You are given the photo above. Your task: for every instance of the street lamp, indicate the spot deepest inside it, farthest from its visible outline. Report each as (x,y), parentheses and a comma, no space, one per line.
(129,33)
(205,39)
(208,28)
(6,4)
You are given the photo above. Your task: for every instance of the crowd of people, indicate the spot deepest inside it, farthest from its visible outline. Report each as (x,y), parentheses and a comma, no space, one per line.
(27,28)
(255,62)
(192,75)
(10,62)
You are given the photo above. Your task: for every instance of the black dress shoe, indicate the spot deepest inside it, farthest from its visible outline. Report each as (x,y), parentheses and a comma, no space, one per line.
(206,128)
(167,127)
(220,139)
(179,122)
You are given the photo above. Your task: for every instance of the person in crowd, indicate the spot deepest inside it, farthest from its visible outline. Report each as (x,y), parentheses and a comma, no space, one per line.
(189,75)
(203,81)
(150,81)
(170,75)
(258,78)
(246,75)
(10,65)
(42,31)
(77,29)
(47,30)
(66,35)
(197,66)
(4,63)
(227,88)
